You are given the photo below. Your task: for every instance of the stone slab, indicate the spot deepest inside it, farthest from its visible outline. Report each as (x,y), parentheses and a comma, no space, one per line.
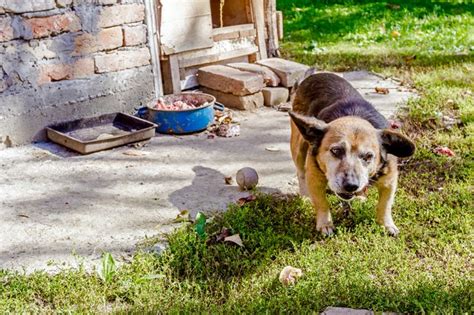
(242,102)
(230,80)
(270,78)
(289,71)
(274,96)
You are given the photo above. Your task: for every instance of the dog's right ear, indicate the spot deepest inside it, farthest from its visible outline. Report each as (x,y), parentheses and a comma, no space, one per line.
(311,128)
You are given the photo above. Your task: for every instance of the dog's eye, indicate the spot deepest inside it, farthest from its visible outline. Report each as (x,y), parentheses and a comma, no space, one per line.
(337,152)
(367,157)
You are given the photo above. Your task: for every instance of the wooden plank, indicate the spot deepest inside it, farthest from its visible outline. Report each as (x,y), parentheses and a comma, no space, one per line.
(188,62)
(233,28)
(259,21)
(279,20)
(173,10)
(185,25)
(153,37)
(171,75)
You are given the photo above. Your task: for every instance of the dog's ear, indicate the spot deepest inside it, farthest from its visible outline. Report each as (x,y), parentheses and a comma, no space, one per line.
(311,128)
(397,144)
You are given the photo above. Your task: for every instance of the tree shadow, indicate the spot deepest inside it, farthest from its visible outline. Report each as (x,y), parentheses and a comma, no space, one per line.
(208,192)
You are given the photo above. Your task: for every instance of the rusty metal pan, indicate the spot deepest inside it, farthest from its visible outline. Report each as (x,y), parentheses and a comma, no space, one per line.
(99,133)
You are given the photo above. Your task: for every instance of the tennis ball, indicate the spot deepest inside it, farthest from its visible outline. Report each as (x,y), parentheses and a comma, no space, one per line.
(247,178)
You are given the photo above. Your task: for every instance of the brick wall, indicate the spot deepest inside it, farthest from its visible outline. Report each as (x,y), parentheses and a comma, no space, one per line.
(66,59)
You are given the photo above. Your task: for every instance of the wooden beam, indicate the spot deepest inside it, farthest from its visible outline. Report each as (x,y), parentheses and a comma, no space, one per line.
(259,21)
(153,41)
(171,75)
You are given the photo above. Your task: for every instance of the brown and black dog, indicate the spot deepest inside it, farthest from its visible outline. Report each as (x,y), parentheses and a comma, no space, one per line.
(340,140)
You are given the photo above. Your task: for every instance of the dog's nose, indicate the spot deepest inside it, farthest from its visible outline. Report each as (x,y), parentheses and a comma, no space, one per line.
(350,187)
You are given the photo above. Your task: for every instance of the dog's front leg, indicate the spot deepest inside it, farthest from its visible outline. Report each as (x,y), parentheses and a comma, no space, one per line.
(387,185)
(316,184)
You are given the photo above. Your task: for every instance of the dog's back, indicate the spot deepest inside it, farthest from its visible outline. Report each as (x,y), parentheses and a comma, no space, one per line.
(327,96)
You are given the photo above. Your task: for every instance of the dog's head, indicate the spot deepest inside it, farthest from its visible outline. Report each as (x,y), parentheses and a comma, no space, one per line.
(349,150)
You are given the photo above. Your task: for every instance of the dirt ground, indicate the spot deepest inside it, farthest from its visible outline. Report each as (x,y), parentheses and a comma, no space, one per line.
(60,209)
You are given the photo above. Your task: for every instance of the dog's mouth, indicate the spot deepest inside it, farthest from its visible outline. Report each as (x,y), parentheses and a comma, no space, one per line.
(345,196)
(349,196)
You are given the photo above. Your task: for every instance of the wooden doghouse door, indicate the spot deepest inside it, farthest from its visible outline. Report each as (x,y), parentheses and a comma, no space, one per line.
(185,25)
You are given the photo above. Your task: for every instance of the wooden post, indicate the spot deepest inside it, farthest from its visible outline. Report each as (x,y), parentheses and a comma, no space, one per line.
(153,40)
(171,75)
(259,21)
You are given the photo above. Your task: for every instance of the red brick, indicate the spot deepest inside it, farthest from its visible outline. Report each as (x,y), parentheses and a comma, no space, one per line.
(121,14)
(134,35)
(64,71)
(6,30)
(243,102)
(51,25)
(121,60)
(106,39)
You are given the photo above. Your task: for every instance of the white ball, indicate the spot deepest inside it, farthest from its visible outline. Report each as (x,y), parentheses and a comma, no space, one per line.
(247,178)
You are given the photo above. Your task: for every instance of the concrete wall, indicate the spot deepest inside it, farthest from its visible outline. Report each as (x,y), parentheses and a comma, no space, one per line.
(66,59)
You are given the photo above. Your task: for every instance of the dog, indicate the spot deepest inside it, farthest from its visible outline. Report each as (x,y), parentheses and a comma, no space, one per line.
(340,141)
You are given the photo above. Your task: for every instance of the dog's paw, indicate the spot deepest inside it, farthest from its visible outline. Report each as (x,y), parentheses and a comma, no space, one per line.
(392,229)
(326,229)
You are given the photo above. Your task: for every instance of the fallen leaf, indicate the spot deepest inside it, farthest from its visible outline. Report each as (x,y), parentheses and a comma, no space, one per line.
(393,6)
(228,180)
(133,152)
(381,90)
(201,224)
(395,34)
(272,149)
(23,215)
(234,239)
(183,216)
(444,151)
(289,275)
(244,200)
(104,136)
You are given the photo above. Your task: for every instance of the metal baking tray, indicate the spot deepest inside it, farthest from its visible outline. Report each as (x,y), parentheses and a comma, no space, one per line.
(99,133)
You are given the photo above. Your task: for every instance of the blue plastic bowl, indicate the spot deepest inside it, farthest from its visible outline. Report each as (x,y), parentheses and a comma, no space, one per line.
(182,121)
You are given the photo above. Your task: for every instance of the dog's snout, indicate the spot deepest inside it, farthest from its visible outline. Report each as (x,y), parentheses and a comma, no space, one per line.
(350,187)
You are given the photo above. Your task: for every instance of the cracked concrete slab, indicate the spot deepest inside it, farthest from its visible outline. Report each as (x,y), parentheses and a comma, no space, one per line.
(57,206)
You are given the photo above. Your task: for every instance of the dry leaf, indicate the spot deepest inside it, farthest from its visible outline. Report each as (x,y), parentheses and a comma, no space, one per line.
(23,215)
(244,200)
(289,275)
(133,152)
(272,149)
(444,151)
(228,180)
(183,216)
(381,90)
(395,34)
(104,136)
(234,239)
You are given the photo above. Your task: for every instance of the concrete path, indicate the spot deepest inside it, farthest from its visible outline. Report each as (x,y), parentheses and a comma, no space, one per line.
(58,208)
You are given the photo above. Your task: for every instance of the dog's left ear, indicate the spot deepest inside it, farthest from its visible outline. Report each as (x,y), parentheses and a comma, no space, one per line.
(311,128)
(396,144)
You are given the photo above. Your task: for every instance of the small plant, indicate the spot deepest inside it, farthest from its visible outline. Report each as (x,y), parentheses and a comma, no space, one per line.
(109,267)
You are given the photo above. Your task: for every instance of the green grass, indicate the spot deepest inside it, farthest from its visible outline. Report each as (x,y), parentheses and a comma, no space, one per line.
(428,268)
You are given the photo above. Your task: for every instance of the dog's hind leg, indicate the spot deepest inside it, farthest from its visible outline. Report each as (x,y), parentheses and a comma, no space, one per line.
(387,185)
(302,184)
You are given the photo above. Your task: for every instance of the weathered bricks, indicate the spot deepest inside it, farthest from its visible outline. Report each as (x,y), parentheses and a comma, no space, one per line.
(6,29)
(243,102)
(134,35)
(230,80)
(288,71)
(121,14)
(273,96)
(22,6)
(51,25)
(106,39)
(64,71)
(269,77)
(122,60)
